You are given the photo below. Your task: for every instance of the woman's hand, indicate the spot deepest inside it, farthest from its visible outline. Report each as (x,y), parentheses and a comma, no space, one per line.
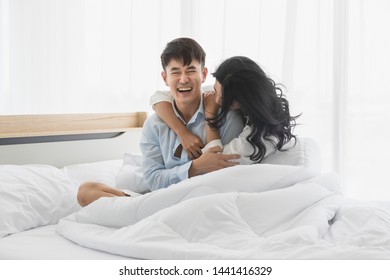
(191,143)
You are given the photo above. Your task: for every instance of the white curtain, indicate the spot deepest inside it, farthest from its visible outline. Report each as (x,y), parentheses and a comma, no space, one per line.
(68,56)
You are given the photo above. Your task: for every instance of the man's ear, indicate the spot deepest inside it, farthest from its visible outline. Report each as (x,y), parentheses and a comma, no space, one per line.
(164,77)
(205,71)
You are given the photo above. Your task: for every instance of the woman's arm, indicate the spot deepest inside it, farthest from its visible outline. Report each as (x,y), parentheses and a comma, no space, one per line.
(162,105)
(211,108)
(238,145)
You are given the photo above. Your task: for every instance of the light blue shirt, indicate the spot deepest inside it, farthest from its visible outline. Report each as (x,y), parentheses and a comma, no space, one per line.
(159,142)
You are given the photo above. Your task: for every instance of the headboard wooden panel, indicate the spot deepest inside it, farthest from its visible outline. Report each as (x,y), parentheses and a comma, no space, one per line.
(48,125)
(54,132)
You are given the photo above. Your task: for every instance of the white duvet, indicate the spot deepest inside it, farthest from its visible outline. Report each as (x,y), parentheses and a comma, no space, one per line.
(260,211)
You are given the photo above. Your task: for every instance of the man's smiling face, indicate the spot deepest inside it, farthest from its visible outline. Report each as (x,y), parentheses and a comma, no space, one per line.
(185,81)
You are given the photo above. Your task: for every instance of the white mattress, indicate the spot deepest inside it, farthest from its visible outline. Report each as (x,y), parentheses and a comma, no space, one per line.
(44,243)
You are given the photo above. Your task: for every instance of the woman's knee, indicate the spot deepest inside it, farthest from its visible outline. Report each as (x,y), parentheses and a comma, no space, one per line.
(84,192)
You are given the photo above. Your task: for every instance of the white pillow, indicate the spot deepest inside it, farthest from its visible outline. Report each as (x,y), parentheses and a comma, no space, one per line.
(34,195)
(100,171)
(305,153)
(130,176)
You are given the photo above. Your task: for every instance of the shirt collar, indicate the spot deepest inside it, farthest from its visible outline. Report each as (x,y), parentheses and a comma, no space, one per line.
(198,112)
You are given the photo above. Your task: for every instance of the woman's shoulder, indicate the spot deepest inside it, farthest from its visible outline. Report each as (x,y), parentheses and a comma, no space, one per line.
(160,96)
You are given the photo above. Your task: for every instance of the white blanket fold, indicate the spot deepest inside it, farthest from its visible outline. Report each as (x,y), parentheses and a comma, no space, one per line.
(246,212)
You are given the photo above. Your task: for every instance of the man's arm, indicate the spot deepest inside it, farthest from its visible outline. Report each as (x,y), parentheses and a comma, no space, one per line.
(156,174)
(210,161)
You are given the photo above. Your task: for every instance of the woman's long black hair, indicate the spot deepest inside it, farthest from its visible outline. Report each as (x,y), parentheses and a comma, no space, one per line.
(261,101)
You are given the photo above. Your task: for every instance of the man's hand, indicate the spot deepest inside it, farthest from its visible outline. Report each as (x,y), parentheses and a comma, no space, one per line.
(212,160)
(191,143)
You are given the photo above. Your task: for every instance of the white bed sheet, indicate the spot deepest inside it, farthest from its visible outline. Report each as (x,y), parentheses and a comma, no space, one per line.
(27,238)
(359,229)
(245,212)
(44,243)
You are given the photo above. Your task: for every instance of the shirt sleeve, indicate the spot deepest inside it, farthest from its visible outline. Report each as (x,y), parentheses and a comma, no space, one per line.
(160,96)
(156,174)
(238,145)
(232,128)
(211,144)
(241,146)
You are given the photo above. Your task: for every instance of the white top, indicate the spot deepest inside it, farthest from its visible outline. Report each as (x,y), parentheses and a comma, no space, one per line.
(239,145)
(160,96)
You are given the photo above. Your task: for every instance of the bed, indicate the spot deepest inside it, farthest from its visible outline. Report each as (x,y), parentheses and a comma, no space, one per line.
(283,208)
(43,159)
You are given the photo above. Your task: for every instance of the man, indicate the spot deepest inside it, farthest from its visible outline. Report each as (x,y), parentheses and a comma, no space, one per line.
(184,71)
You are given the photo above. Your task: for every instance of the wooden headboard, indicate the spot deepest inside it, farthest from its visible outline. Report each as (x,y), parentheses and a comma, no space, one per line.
(68,138)
(47,125)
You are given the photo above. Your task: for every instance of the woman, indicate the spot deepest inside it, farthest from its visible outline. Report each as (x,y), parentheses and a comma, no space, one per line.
(240,84)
